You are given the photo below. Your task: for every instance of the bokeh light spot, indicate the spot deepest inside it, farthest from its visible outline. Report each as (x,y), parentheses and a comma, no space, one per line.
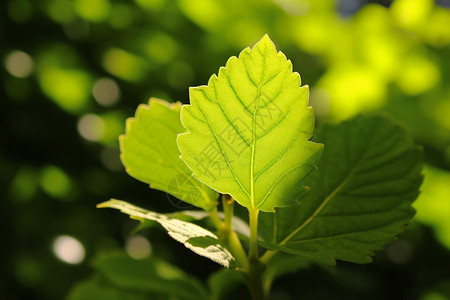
(433,204)
(106,92)
(24,184)
(399,252)
(411,14)
(56,183)
(114,125)
(322,32)
(161,48)
(418,75)
(91,127)
(68,249)
(123,64)
(166,271)
(435,33)
(138,247)
(68,88)
(208,14)
(357,90)
(93,10)
(19,64)
(294,7)
(60,11)
(110,157)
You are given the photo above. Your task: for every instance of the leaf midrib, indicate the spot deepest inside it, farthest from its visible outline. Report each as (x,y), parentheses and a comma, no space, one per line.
(252,162)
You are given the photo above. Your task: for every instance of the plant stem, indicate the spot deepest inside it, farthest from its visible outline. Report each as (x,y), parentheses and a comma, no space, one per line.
(268,256)
(228,236)
(238,252)
(228,209)
(256,268)
(216,220)
(253,243)
(251,267)
(254,280)
(231,237)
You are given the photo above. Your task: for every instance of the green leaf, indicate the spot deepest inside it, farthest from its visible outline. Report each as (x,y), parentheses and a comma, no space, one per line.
(96,289)
(223,282)
(194,237)
(282,264)
(150,274)
(360,198)
(248,130)
(150,154)
(239,226)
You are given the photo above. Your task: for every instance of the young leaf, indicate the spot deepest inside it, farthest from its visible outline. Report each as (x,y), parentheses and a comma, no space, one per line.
(194,237)
(150,274)
(150,154)
(360,198)
(249,130)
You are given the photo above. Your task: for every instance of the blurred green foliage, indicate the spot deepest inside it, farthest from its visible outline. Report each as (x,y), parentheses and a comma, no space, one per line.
(73,71)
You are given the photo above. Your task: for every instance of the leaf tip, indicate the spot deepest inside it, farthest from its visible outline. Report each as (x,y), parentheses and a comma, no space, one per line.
(103,204)
(266,39)
(265,43)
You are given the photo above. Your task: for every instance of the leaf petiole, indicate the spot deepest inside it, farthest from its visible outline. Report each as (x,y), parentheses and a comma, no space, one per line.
(267,256)
(227,234)
(214,216)
(228,209)
(253,243)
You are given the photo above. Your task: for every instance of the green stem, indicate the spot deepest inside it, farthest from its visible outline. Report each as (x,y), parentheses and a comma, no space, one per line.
(268,256)
(254,280)
(253,243)
(228,209)
(238,252)
(216,220)
(228,236)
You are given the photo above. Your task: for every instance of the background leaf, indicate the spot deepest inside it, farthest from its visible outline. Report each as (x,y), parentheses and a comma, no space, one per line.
(194,237)
(98,288)
(248,130)
(119,277)
(282,264)
(150,154)
(223,282)
(360,198)
(151,274)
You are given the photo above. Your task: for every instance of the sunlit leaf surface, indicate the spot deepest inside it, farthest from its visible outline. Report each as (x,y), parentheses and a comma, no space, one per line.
(249,130)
